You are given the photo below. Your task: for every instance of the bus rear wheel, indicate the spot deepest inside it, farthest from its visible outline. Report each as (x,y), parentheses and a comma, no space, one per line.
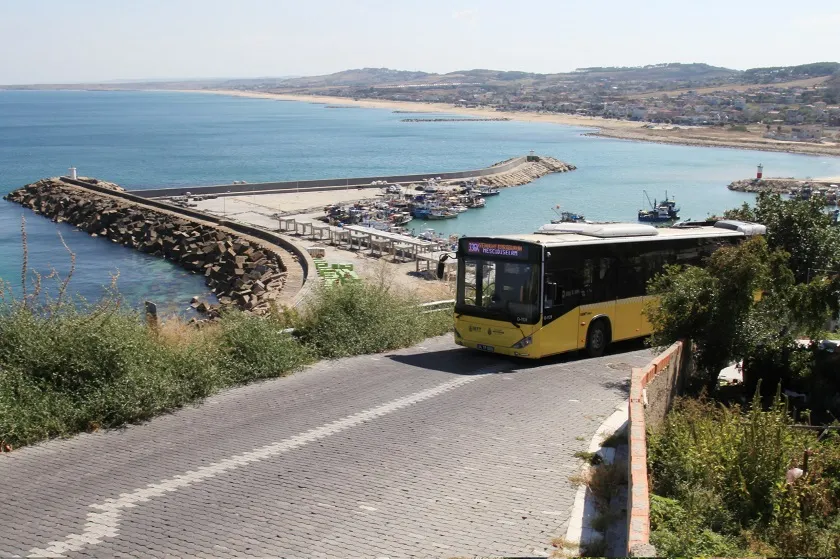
(597,338)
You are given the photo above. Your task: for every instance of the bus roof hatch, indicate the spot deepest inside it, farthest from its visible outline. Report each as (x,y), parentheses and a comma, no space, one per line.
(744,227)
(600,230)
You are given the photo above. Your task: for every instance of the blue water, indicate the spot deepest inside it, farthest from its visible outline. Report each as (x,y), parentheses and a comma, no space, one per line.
(153,139)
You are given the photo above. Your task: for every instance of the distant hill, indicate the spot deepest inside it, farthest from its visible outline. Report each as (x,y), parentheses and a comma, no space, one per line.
(602,81)
(653,72)
(790,73)
(358,78)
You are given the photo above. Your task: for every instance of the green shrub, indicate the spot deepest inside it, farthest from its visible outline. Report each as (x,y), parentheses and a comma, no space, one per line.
(723,472)
(30,413)
(354,319)
(68,369)
(254,348)
(677,531)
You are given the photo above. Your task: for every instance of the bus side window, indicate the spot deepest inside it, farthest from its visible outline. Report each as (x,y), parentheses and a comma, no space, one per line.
(553,295)
(630,280)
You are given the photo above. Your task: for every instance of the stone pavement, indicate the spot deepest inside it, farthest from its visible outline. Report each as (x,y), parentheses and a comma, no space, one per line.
(433,451)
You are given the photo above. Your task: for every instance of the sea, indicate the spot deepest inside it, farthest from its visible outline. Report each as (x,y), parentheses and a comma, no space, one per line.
(159,139)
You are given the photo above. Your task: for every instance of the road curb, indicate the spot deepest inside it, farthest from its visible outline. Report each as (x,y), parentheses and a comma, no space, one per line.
(580,531)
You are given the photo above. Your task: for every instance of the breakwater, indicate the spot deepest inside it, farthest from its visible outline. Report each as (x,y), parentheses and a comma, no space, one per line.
(511,172)
(240,271)
(776,185)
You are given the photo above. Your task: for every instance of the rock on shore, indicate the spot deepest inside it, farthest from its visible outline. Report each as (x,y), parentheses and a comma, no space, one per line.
(239,272)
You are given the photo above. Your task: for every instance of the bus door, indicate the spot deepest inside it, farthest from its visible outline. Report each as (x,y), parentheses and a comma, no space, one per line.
(598,293)
(563,292)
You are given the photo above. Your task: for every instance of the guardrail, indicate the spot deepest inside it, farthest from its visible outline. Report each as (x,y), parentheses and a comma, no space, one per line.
(437,306)
(434,306)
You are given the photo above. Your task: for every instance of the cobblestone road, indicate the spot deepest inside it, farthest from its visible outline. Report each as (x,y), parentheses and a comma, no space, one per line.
(434,451)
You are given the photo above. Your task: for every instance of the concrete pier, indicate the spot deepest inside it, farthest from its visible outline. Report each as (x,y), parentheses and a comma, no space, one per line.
(512,172)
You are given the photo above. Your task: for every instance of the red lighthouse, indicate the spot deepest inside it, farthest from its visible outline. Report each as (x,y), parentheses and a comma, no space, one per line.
(759,172)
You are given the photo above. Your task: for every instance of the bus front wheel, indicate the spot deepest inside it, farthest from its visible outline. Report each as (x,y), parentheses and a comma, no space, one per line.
(597,338)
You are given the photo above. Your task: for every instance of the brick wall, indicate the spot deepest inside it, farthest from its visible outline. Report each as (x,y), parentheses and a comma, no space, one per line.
(652,391)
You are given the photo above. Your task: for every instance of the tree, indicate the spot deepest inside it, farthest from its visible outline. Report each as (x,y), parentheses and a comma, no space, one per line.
(710,305)
(753,300)
(802,228)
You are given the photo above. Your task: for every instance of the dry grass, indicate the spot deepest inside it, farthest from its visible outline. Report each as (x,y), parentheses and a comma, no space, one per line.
(605,481)
(176,332)
(564,548)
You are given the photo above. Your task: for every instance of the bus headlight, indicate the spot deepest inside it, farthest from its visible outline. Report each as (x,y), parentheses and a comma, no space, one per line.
(457,333)
(524,342)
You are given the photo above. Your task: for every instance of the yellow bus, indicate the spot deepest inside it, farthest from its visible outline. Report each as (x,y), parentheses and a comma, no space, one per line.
(572,286)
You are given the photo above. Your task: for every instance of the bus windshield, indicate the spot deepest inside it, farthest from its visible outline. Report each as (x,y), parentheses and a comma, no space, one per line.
(499,290)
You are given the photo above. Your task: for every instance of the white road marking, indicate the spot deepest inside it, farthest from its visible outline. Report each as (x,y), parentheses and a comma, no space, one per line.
(104,522)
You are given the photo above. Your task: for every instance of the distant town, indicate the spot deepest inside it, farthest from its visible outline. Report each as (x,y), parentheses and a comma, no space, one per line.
(796,103)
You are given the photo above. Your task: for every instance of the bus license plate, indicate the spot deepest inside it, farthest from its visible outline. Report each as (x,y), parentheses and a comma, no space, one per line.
(483,347)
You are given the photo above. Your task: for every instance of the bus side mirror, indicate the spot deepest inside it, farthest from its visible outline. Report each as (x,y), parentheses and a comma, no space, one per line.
(441,266)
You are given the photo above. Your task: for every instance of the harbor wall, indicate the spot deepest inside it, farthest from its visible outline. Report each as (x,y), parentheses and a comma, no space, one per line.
(301,256)
(239,269)
(223,189)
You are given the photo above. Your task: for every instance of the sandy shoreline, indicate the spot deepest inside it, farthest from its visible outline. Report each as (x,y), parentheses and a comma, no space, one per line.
(568,120)
(606,128)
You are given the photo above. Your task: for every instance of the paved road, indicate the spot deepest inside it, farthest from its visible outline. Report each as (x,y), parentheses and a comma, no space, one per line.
(430,451)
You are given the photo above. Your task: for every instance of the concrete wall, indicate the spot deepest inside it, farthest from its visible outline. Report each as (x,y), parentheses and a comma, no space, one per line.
(652,391)
(325,184)
(303,257)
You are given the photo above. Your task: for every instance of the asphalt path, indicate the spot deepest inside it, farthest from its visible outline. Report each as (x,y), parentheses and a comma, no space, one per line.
(432,451)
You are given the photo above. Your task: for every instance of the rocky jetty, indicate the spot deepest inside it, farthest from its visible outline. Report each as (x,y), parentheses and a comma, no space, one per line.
(534,168)
(238,271)
(776,185)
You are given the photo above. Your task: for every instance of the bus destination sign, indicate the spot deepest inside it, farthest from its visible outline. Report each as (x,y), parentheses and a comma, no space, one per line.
(497,249)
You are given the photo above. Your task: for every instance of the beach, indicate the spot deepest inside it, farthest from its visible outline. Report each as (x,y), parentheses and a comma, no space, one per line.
(700,136)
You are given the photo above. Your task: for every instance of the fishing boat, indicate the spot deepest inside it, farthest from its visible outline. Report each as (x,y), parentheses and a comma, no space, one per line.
(666,210)
(488,191)
(459,208)
(441,214)
(428,234)
(430,186)
(401,218)
(476,202)
(569,217)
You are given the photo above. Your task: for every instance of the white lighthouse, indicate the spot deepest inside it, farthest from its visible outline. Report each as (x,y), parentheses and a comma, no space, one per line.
(72,173)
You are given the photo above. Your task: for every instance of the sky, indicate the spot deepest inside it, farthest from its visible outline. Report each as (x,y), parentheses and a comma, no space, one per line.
(74,41)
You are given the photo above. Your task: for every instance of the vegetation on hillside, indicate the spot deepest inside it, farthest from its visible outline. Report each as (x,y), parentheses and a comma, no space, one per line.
(68,367)
(790,73)
(718,472)
(720,489)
